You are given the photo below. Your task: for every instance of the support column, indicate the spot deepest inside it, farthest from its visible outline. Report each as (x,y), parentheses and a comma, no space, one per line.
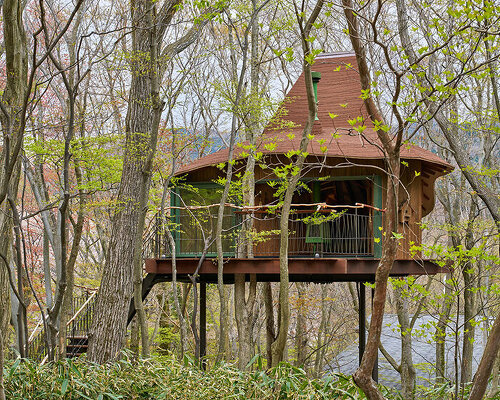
(203,324)
(361,319)
(375,367)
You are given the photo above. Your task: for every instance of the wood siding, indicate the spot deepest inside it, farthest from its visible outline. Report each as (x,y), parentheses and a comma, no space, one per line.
(416,192)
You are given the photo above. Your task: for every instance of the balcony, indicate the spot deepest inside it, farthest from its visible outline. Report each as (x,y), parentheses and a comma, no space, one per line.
(325,233)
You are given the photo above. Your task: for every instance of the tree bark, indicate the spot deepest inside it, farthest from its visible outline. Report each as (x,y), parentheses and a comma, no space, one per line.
(301,331)
(70,268)
(278,346)
(135,335)
(244,309)
(178,309)
(469,272)
(141,131)
(2,388)
(22,278)
(229,175)
(322,332)
(440,334)
(391,147)
(16,75)
(485,367)
(110,318)
(267,296)
(407,369)
(495,378)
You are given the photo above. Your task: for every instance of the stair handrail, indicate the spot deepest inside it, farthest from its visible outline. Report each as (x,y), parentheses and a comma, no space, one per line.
(81,308)
(37,327)
(73,318)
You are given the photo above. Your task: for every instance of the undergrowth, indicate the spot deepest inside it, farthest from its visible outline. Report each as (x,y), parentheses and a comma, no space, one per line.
(166,378)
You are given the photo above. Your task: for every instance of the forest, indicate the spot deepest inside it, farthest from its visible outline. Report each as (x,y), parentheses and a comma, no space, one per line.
(249,199)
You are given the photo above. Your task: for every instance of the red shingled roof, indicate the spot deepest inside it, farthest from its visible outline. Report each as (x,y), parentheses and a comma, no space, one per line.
(338,93)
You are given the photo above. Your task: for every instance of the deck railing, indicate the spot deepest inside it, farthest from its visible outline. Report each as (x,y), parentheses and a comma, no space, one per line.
(77,329)
(324,233)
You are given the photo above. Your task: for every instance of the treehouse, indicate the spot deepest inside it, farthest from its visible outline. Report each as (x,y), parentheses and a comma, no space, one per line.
(336,226)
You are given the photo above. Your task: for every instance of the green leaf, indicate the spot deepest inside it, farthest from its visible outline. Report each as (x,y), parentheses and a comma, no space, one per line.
(113,396)
(14,367)
(64,387)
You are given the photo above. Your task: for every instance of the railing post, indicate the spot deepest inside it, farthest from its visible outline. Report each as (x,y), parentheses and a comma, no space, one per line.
(356,231)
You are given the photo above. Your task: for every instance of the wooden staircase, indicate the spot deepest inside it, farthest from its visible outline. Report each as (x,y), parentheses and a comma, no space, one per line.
(78,327)
(77,345)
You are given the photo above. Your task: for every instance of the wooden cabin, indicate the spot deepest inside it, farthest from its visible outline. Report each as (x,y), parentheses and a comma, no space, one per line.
(337,218)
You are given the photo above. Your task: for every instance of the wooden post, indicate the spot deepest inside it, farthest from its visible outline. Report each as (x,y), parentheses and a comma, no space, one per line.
(203,324)
(361,319)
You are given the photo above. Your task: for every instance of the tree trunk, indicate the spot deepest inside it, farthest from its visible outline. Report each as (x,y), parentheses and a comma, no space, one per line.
(485,367)
(244,309)
(47,276)
(2,389)
(22,320)
(495,377)
(469,274)
(267,296)
(323,328)
(110,317)
(178,309)
(135,335)
(444,316)
(138,272)
(301,330)
(16,75)
(391,145)
(278,346)
(229,175)
(141,130)
(407,369)
(362,376)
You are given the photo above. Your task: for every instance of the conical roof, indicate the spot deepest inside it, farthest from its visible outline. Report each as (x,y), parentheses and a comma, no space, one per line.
(339,93)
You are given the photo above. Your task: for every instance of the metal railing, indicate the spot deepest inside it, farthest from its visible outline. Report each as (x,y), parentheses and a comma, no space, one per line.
(320,234)
(77,330)
(324,233)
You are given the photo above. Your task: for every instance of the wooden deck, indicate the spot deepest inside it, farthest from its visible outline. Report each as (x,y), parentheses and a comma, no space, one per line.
(318,270)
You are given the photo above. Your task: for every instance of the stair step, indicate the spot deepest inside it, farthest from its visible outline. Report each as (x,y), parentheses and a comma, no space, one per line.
(78,340)
(77,349)
(76,337)
(77,346)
